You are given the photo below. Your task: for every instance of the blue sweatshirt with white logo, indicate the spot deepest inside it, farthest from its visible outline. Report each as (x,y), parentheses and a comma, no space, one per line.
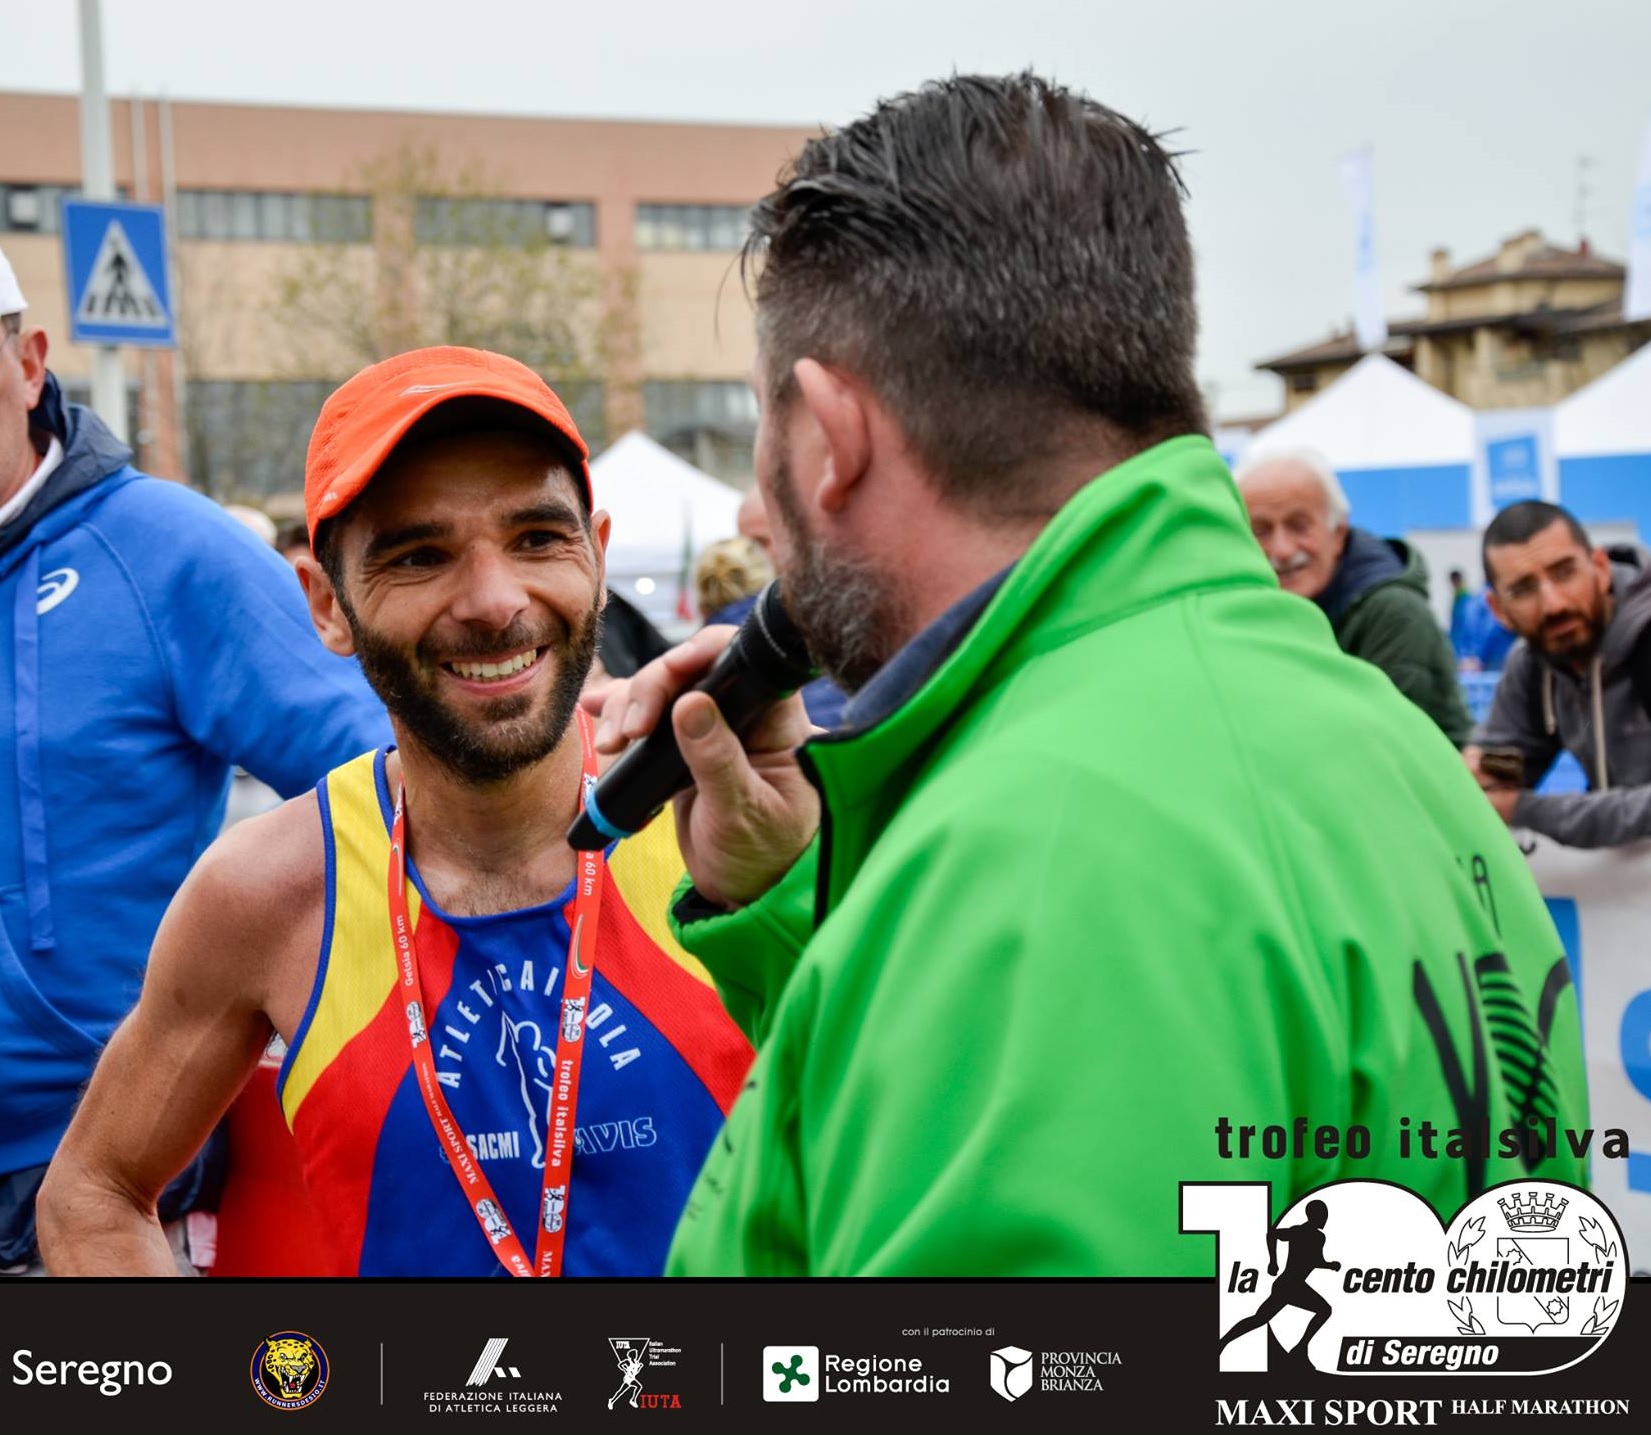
(149,644)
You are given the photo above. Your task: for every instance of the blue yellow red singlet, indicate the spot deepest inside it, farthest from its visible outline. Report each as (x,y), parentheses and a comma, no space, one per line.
(662,1067)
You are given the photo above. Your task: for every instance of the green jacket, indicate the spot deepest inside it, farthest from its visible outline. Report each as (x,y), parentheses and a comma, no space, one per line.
(1378,605)
(1145,851)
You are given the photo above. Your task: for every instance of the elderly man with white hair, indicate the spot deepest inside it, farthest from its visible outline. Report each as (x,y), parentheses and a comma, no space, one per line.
(1373,590)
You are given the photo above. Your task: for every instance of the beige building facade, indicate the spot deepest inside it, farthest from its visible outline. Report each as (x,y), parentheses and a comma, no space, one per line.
(1524,327)
(307,242)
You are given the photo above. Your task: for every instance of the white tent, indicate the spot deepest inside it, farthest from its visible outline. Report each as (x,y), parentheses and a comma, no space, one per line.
(664,509)
(1602,434)
(1612,415)
(1378,415)
(1403,450)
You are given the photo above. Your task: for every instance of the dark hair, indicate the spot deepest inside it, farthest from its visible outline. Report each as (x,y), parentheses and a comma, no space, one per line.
(1001,259)
(293,534)
(11,323)
(1521,522)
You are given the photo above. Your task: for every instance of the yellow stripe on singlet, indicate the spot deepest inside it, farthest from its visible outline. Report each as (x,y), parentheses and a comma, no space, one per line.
(361,964)
(647,868)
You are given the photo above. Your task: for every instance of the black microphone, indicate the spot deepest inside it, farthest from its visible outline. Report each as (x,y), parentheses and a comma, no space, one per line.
(767,660)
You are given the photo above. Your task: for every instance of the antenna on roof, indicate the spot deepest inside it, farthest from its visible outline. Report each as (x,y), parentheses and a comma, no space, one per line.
(1583,164)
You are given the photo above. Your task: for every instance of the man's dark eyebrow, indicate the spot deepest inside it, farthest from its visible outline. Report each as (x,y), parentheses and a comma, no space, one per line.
(392,538)
(552,511)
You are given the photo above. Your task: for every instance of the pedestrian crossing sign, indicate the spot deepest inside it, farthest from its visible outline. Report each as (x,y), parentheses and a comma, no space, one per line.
(115,257)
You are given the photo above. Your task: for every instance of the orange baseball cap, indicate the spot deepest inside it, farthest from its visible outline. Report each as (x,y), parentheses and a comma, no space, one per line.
(368,415)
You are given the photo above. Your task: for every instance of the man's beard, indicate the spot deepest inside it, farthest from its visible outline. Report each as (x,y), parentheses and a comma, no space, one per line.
(846,611)
(1575,651)
(507,736)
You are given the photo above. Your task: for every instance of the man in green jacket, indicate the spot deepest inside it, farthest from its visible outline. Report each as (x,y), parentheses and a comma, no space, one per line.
(1119,860)
(1373,590)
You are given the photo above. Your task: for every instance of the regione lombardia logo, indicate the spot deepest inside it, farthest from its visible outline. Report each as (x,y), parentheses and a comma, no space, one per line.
(791,1372)
(1358,1278)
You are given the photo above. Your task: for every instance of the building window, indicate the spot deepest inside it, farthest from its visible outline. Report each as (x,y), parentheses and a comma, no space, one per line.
(1303,383)
(517,222)
(586,400)
(691,226)
(711,423)
(247,440)
(37,208)
(265,215)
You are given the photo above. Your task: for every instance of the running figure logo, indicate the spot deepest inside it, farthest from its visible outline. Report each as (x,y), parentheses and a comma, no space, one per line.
(632,1354)
(1306,1256)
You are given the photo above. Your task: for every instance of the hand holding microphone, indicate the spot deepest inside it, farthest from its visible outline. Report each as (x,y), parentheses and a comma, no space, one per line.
(716,723)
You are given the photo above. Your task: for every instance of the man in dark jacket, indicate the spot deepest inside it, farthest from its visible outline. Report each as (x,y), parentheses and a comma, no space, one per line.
(1580,679)
(1373,590)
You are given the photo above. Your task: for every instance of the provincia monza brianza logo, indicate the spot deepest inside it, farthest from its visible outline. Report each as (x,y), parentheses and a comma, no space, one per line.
(1359,1278)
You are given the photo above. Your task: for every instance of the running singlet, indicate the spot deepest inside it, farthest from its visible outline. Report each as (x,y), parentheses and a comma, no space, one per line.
(662,1066)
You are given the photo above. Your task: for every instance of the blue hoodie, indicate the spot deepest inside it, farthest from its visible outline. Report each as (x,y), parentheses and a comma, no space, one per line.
(150,644)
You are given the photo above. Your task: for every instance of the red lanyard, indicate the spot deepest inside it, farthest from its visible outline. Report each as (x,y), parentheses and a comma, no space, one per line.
(570,1051)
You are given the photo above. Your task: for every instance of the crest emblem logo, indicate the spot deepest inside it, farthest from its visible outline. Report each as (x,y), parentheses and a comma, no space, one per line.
(290,1370)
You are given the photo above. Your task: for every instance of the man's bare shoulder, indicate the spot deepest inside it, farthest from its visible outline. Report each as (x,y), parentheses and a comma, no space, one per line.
(248,918)
(267,863)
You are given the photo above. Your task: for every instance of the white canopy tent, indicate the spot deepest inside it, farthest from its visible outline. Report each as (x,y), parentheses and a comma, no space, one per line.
(665,511)
(1404,451)
(1602,434)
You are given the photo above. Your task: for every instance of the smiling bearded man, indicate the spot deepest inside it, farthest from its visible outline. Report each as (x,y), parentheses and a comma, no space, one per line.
(417,930)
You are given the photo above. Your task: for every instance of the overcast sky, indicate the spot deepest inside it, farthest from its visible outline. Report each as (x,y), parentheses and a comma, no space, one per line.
(1478,111)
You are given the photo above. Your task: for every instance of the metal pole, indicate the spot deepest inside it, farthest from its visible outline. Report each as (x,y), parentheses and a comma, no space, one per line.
(97,180)
(169,198)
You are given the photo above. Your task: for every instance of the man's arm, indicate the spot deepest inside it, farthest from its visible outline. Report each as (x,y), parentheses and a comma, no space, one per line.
(221,965)
(1514,721)
(251,681)
(1586,819)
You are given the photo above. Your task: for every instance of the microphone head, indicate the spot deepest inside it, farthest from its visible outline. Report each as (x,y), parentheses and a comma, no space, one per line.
(773,643)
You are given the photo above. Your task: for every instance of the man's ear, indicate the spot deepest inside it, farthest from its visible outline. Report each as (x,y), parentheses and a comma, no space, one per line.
(601,529)
(1602,566)
(1495,605)
(326,612)
(31,352)
(840,411)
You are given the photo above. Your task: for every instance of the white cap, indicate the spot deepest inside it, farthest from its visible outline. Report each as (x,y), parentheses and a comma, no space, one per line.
(11,297)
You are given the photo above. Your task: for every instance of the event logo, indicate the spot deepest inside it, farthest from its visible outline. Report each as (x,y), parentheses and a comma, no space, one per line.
(487,1363)
(790,1372)
(484,1391)
(637,1355)
(290,1370)
(800,1372)
(1016,1371)
(1012,1371)
(1359,1279)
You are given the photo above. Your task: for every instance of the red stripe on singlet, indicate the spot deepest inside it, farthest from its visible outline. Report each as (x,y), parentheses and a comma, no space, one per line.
(338,1125)
(686,1011)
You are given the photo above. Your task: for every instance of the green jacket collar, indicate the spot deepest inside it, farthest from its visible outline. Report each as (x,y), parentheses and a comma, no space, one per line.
(1167,522)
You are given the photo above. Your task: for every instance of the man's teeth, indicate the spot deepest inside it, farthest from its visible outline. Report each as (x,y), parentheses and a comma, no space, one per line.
(481,672)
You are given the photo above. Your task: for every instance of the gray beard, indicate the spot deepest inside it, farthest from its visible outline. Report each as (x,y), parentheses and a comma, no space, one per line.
(848,613)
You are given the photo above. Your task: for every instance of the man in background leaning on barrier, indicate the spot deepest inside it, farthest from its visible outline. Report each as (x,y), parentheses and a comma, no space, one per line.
(153,644)
(1373,590)
(1115,844)
(1579,681)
